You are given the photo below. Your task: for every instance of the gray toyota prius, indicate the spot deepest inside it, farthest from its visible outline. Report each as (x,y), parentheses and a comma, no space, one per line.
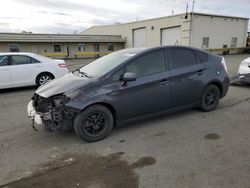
(129,85)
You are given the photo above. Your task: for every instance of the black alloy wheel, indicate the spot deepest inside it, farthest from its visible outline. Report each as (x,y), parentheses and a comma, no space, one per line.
(210,98)
(94,123)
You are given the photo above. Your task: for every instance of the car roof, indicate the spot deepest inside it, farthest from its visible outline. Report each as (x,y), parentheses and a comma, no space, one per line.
(142,50)
(17,53)
(36,56)
(133,50)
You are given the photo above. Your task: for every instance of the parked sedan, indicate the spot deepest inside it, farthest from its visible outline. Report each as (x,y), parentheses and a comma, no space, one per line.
(128,85)
(24,69)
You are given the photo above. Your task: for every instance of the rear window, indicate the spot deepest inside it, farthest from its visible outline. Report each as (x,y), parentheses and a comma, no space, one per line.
(20,60)
(202,57)
(182,57)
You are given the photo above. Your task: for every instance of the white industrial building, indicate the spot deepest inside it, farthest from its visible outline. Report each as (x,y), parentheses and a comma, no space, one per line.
(213,32)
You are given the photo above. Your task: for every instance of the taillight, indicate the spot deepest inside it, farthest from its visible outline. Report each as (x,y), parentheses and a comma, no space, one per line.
(223,63)
(62,65)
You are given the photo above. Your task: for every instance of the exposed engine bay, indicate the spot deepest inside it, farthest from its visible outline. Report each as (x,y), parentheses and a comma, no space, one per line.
(55,115)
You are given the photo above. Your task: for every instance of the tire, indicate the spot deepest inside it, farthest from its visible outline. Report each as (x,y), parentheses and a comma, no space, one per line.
(94,123)
(226,52)
(44,78)
(210,98)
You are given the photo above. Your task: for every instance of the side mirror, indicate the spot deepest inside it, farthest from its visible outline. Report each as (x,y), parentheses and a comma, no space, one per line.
(128,77)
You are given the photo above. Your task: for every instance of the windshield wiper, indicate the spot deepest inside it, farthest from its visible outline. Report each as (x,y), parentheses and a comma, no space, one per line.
(80,73)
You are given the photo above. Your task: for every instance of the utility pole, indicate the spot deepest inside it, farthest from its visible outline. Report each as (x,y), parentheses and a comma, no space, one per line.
(193,6)
(191,24)
(186,16)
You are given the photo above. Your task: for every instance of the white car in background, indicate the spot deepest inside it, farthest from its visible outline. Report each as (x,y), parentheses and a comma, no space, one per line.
(26,69)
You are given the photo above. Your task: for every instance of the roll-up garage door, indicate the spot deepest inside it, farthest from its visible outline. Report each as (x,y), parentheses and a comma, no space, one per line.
(139,37)
(171,36)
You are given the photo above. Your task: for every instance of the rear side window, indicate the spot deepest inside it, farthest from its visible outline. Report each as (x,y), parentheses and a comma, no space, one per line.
(34,60)
(202,57)
(150,63)
(20,60)
(182,58)
(3,60)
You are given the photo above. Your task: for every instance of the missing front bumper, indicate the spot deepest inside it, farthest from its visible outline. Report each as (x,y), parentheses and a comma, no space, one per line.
(55,120)
(33,114)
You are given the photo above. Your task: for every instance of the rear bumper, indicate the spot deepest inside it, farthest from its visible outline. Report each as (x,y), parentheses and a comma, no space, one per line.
(33,114)
(61,72)
(225,86)
(224,90)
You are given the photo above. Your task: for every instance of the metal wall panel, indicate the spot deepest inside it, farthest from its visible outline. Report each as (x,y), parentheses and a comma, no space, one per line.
(139,37)
(171,36)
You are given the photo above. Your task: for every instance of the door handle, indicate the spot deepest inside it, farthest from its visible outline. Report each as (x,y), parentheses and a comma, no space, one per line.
(5,69)
(200,72)
(164,82)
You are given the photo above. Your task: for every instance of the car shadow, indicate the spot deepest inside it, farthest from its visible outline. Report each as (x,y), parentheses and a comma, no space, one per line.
(154,120)
(71,137)
(244,85)
(18,89)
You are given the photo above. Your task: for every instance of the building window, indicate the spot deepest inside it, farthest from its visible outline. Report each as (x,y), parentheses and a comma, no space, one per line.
(234,42)
(14,48)
(57,48)
(81,48)
(205,42)
(110,47)
(96,48)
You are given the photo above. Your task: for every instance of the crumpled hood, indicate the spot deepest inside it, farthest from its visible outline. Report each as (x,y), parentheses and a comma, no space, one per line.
(67,83)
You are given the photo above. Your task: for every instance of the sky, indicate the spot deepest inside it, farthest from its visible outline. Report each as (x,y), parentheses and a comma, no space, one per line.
(74,16)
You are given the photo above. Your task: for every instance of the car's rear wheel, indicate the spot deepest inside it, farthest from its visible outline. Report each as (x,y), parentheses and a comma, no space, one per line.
(94,123)
(210,98)
(44,78)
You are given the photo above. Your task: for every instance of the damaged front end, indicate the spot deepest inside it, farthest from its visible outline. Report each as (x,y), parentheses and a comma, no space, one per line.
(55,116)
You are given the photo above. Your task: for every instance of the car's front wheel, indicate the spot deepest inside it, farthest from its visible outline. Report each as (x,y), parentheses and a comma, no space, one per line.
(210,98)
(94,123)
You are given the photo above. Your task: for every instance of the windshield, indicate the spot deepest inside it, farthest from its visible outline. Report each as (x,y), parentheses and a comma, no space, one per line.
(106,63)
